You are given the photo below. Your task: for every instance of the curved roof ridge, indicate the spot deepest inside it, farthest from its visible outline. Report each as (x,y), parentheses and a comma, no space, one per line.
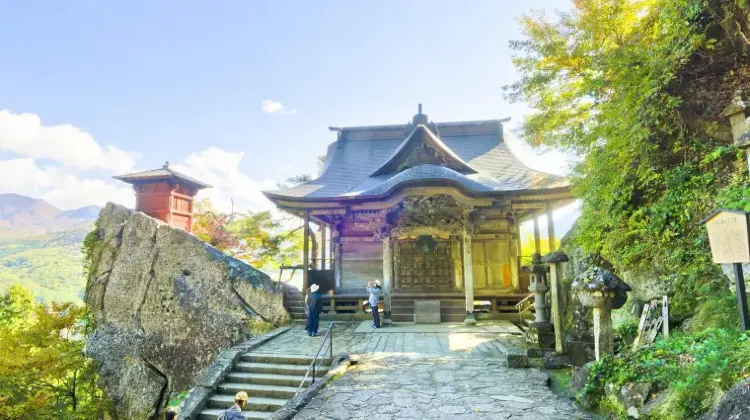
(399,154)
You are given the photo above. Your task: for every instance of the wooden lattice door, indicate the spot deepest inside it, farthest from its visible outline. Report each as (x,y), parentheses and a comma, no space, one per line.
(416,269)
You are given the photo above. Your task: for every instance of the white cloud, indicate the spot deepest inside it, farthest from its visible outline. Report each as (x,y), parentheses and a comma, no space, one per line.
(59,186)
(25,135)
(74,193)
(273,107)
(23,176)
(220,168)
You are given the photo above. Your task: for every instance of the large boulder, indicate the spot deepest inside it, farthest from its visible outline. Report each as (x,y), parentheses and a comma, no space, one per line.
(649,284)
(163,305)
(735,404)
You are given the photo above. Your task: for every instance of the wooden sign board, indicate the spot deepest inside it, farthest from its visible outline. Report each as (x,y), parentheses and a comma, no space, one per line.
(729,236)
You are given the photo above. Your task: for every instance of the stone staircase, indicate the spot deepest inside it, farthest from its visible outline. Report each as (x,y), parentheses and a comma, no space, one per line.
(294,302)
(451,310)
(270,380)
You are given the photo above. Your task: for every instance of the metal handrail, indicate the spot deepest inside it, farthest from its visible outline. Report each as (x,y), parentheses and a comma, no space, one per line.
(328,337)
(518,307)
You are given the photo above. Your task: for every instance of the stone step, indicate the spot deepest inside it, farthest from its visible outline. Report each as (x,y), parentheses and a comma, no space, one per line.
(278,368)
(213,414)
(444,317)
(258,390)
(253,403)
(288,359)
(267,379)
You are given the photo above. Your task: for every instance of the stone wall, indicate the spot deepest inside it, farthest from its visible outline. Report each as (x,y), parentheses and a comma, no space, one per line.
(163,304)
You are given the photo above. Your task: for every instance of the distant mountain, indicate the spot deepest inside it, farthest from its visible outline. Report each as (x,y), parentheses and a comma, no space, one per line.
(21,216)
(40,247)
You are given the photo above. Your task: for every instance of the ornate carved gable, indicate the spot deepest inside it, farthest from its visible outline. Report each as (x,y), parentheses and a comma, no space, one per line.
(420,147)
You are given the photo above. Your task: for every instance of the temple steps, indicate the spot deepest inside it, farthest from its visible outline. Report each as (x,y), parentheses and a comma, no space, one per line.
(270,380)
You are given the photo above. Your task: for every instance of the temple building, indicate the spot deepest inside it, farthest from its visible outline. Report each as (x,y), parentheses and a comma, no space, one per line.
(165,194)
(432,210)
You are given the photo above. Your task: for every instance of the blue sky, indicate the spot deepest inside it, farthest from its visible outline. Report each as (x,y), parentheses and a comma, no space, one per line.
(92,88)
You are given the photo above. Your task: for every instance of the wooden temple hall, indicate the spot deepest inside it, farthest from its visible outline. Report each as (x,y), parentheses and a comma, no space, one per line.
(431,210)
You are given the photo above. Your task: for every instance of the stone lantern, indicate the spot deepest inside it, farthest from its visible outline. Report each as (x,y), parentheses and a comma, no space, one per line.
(598,288)
(540,336)
(538,285)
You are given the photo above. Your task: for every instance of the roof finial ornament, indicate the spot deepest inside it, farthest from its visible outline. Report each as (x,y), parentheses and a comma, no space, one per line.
(166,164)
(420,118)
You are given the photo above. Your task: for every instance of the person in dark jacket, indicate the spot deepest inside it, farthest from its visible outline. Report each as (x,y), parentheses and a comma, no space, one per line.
(235,413)
(374,289)
(315,305)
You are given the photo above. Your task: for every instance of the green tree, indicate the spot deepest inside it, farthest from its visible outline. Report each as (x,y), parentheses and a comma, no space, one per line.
(15,306)
(259,239)
(636,88)
(43,370)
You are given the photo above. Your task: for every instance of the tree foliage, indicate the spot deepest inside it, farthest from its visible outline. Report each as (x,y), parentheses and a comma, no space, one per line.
(44,373)
(636,89)
(260,239)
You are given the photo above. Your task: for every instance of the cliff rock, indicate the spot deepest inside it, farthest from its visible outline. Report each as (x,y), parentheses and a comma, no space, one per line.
(163,304)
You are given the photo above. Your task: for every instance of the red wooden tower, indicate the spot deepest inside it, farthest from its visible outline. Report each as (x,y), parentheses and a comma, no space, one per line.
(165,194)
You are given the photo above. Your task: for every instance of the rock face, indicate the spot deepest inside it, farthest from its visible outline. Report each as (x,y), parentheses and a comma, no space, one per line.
(734,406)
(648,285)
(163,305)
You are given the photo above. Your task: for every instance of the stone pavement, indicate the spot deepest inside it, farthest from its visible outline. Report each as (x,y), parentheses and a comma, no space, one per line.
(394,387)
(347,341)
(437,375)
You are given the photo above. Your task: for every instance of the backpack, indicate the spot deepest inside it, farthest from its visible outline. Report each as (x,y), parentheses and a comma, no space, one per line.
(231,415)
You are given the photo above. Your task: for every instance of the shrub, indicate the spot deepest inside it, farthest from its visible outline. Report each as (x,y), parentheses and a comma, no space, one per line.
(696,368)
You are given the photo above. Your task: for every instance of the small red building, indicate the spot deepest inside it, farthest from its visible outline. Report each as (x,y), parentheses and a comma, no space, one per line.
(165,194)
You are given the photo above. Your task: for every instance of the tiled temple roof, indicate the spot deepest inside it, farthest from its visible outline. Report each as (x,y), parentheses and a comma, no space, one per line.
(363,162)
(163,173)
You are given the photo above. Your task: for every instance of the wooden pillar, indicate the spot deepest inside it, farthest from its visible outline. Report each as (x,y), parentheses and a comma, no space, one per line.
(537,240)
(551,230)
(323,234)
(468,279)
(557,306)
(515,253)
(337,255)
(387,276)
(314,253)
(305,251)
(458,276)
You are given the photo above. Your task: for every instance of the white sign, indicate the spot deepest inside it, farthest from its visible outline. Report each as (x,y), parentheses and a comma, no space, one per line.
(728,235)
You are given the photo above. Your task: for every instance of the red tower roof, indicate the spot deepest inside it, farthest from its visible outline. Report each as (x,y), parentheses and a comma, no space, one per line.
(164,173)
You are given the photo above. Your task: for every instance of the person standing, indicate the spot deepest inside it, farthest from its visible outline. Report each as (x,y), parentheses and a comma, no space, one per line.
(315,304)
(235,413)
(373,288)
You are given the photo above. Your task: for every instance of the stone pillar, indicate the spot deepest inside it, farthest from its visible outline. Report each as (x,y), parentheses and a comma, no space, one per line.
(596,288)
(537,239)
(468,279)
(555,261)
(387,278)
(603,331)
(737,112)
(551,230)
(305,251)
